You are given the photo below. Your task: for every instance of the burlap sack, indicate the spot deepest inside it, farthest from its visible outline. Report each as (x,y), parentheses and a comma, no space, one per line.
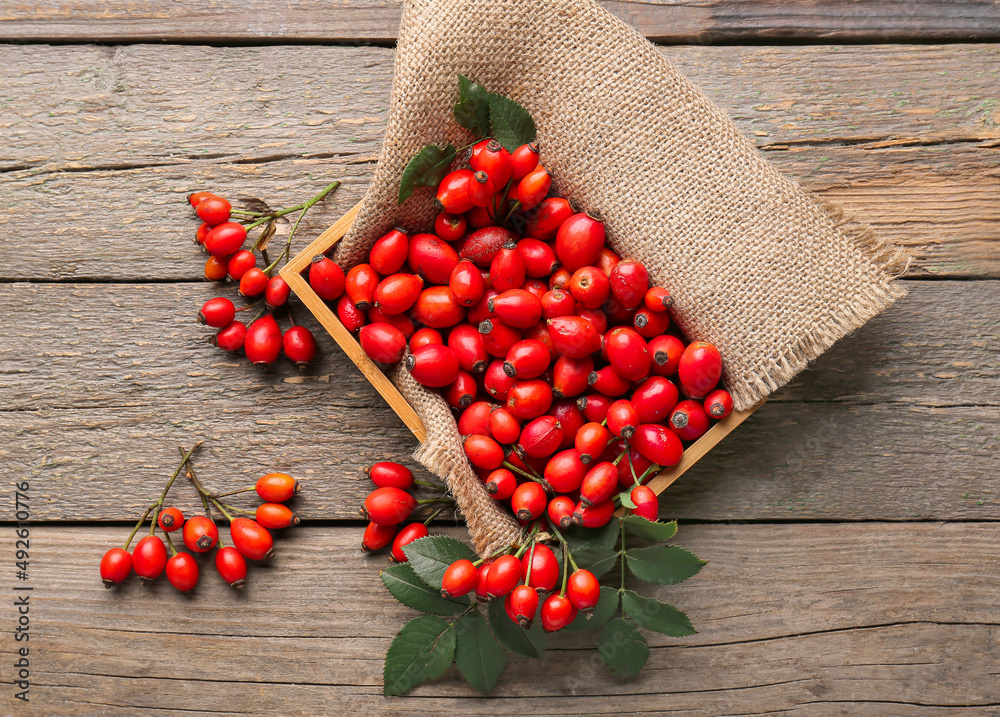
(757,266)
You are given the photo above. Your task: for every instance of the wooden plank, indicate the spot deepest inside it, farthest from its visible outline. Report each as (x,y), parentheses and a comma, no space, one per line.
(128,225)
(176,103)
(259,21)
(863,619)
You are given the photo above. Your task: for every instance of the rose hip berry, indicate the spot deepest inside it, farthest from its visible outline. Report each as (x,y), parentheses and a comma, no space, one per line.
(276,487)
(501,484)
(213,210)
(390,474)
(217,312)
(299,345)
(240,263)
(388,254)
(182,572)
(433,365)
(251,539)
(560,511)
(719,403)
(263,340)
(225,239)
(557,612)
(544,567)
(232,566)
(528,501)
(521,605)
(388,506)
(689,420)
(583,590)
(645,501)
(378,536)
(275,516)
(504,575)
(326,278)
(623,418)
(231,337)
(149,557)
(170,519)
(579,241)
(382,342)
(483,452)
(253,283)
(115,566)
(200,534)
(413,531)
(277,292)
(460,578)
(700,369)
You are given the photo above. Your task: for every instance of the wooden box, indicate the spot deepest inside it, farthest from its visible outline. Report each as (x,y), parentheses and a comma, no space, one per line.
(292,273)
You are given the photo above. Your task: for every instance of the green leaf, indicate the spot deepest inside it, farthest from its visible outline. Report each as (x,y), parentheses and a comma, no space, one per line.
(426,169)
(623,648)
(596,560)
(530,642)
(511,123)
(654,530)
(655,615)
(472,110)
(604,611)
(478,656)
(626,499)
(603,538)
(405,586)
(663,564)
(432,555)
(421,651)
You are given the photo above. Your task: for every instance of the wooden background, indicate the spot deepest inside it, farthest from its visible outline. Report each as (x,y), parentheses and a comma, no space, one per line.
(851,524)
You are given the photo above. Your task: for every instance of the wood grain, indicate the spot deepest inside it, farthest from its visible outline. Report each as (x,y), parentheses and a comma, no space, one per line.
(682,21)
(817,619)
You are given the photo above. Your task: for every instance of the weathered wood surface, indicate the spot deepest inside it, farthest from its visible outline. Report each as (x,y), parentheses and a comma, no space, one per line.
(900,420)
(681,21)
(811,619)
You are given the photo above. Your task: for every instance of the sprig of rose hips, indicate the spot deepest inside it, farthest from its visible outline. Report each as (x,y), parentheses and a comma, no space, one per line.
(224,237)
(251,538)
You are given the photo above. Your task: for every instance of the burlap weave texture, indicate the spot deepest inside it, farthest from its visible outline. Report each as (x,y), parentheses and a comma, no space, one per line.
(756,265)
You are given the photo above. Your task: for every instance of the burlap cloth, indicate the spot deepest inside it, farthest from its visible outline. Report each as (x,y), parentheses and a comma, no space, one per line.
(756,265)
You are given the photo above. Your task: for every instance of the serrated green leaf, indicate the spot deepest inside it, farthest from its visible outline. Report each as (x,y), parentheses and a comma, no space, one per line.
(596,560)
(426,169)
(626,499)
(655,615)
(603,538)
(511,124)
(654,530)
(472,110)
(663,564)
(530,642)
(478,656)
(421,651)
(623,648)
(604,611)
(405,586)
(432,555)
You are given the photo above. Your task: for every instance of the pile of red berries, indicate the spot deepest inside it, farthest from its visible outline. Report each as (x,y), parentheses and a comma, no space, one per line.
(251,538)
(224,237)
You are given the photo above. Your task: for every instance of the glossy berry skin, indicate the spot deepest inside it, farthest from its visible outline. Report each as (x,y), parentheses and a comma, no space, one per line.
(632,468)
(360,284)
(483,245)
(689,420)
(494,160)
(583,590)
(240,263)
(589,287)
(263,341)
(521,605)
(411,532)
(483,452)
(504,427)
(390,474)
(299,345)
(528,501)
(426,335)
(579,241)
(574,336)
(658,443)
(658,299)
(622,418)
(478,218)
(388,253)
(466,283)
(556,303)
(593,516)
(650,324)
(498,337)
(526,359)
(475,419)
(215,269)
(517,307)
(438,308)
(115,566)
(276,487)
(557,613)
(481,189)
(484,572)
(719,403)
(504,575)
(382,342)
(666,352)
(467,343)
(548,217)
(570,418)
(599,484)
(275,516)
(348,313)
(500,484)
(378,536)
(560,511)
(565,471)
(388,506)
(529,399)
(507,270)
(532,188)
(569,376)
(251,539)
(591,441)
(541,437)
(594,407)
(170,519)
(326,278)
(627,353)
(453,192)
(231,337)
(646,503)
(654,399)
(433,365)
(225,239)
(700,369)
(149,557)
(539,258)
(607,260)
(182,572)
(460,578)
(231,566)
(217,312)
(277,292)
(608,382)
(213,210)
(401,322)
(544,567)
(629,282)
(560,279)
(195,198)
(397,293)
(200,534)
(253,283)
(523,161)
(450,227)
(462,391)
